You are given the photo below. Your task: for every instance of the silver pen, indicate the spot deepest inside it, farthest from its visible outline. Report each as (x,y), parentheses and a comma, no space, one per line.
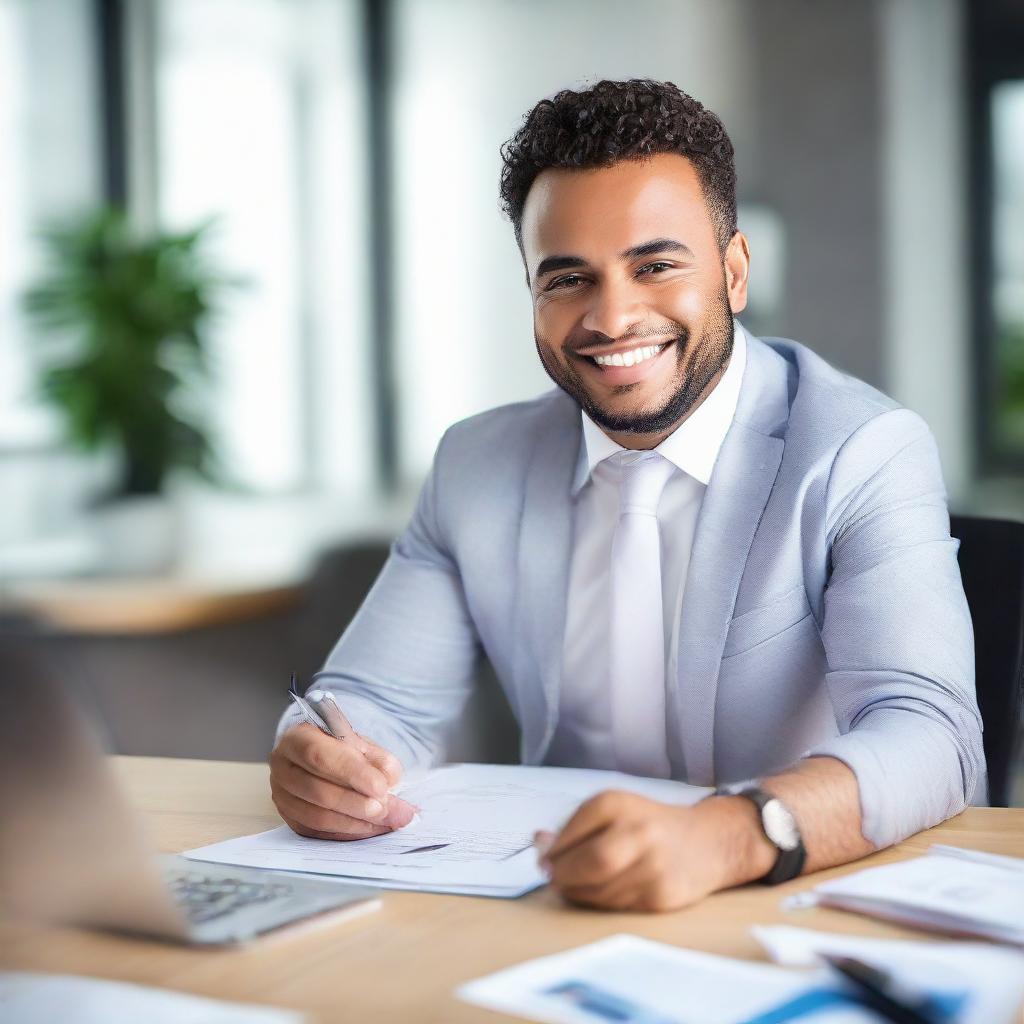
(320,709)
(307,710)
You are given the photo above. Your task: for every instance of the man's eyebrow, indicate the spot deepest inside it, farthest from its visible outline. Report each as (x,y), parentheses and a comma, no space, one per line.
(655,246)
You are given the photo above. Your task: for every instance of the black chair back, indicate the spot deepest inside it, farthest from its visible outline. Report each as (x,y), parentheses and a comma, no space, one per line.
(992,567)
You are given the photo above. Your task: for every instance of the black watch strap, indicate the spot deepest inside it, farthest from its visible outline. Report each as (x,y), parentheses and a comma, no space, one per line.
(786,839)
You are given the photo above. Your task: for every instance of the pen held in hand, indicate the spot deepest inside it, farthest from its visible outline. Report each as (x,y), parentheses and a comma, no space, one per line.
(328,708)
(320,709)
(308,714)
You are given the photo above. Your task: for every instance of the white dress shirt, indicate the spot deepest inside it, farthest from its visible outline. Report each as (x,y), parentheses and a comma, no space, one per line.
(583,736)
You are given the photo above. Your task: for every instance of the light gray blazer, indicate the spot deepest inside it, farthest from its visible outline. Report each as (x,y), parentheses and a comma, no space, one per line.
(824,611)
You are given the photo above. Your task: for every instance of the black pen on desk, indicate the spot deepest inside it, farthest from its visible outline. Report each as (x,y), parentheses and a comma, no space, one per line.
(873,990)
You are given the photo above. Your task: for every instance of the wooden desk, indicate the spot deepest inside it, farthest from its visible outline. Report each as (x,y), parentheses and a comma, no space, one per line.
(402,963)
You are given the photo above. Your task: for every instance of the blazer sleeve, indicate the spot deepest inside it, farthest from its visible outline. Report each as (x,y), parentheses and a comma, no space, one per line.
(405,666)
(897,633)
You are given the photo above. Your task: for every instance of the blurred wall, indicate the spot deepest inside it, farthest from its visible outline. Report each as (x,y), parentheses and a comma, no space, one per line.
(815,156)
(929,354)
(467,72)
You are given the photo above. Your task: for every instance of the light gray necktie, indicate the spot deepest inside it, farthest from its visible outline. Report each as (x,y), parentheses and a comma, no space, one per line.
(637,637)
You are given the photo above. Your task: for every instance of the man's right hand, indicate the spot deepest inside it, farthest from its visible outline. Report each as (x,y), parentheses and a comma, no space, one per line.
(326,788)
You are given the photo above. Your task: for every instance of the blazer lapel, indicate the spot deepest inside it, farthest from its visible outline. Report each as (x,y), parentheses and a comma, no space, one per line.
(737,493)
(545,548)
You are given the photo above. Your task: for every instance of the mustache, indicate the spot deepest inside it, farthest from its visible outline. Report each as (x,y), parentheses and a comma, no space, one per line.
(595,341)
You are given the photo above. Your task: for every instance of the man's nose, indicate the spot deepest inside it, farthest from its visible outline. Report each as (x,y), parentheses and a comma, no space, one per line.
(614,308)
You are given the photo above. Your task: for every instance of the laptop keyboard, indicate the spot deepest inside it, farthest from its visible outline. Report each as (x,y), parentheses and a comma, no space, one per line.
(205,897)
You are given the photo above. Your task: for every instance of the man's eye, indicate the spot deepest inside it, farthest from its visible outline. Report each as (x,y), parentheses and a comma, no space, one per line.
(564,282)
(654,267)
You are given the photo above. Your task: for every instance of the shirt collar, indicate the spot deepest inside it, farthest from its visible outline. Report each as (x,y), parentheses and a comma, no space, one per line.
(694,445)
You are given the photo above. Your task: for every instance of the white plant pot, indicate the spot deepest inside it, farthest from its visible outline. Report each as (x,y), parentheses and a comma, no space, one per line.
(137,536)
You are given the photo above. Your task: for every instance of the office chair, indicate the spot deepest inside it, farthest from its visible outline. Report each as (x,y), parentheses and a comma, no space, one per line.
(992,567)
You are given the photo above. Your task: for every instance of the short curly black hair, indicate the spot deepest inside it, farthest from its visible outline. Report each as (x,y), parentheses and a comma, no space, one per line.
(613,121)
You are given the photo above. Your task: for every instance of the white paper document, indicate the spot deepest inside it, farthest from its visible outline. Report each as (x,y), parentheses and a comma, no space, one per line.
(631,980)
(474,834)
(31,998)
(947,890)
(974,982)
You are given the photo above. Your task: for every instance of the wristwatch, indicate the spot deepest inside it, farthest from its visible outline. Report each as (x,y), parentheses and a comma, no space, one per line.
(780,829)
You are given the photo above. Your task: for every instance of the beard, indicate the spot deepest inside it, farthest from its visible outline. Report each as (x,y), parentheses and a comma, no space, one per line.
(696,367)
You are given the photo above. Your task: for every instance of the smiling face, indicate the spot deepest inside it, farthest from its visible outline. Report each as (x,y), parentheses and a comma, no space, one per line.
(632,297)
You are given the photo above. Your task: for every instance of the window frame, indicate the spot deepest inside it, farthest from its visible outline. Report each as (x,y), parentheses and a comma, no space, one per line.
(116,81)
(995,54)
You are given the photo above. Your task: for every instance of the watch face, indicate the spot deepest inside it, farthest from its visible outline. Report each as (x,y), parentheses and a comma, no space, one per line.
(779,825)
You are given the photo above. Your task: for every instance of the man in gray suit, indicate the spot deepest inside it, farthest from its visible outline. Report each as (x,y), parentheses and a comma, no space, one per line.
(703,556)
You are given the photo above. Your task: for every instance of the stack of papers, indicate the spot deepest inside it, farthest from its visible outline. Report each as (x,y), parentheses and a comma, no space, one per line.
(961,892)
(474,834)
(635,981)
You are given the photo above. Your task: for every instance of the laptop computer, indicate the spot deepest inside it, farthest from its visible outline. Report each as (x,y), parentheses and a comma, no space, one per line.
(73,852)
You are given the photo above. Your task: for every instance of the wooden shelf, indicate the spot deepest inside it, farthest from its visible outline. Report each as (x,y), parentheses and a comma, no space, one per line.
(155,605)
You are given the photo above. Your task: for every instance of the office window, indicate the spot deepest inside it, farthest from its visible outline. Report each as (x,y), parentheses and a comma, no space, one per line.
(49,170)
(996,126)
(48,125)
(259,120)
(1007,286)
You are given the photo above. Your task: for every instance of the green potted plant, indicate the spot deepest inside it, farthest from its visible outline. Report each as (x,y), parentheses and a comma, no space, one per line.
(121,359)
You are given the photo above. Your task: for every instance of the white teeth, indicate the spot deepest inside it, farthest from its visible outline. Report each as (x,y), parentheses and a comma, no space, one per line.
(631,358)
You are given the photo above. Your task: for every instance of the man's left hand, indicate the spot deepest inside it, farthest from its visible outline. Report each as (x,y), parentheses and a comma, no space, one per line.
(620,851)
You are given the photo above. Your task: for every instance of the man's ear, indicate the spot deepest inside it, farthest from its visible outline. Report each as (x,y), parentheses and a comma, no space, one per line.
(737,271)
